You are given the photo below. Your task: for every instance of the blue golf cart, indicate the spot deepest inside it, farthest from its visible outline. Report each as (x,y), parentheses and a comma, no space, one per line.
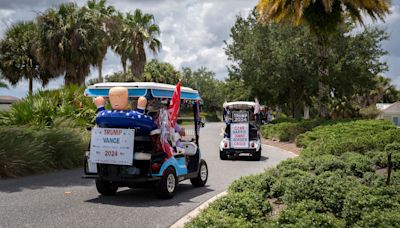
(136,159)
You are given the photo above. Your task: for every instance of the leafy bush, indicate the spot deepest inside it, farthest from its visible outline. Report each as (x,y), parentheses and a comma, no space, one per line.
(307,213)
(348,132)
(357,136)
(212,218)
(289,129)
(327,163)
(363,200)
(44,107)
(251,206)
(26,151)
(328,188)
(358,164)
(260,183)
(339,180)
(371,112)
(380,219)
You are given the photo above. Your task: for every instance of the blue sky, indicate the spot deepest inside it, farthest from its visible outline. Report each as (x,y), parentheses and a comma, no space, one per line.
(192,32)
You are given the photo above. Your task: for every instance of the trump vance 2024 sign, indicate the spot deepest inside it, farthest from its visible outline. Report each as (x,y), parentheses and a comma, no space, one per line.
(112,146)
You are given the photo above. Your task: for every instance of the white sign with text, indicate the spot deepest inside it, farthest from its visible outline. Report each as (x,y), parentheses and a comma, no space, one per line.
(239,135)
(112,146)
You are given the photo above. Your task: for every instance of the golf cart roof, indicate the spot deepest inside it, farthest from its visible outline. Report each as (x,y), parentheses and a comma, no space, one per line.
(137,89)
(239,105)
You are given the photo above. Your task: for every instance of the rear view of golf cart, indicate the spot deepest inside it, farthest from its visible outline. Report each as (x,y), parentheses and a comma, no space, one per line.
(241,131)
(143,145)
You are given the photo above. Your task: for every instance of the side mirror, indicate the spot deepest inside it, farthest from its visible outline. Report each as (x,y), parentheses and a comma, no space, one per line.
(88,128)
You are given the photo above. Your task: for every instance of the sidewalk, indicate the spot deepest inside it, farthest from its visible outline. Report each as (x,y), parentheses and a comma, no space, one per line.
(283,145)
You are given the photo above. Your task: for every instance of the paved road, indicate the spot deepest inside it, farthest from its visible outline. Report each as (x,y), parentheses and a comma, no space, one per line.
(62,199)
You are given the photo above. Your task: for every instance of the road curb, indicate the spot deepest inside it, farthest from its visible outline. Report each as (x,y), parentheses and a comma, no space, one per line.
(194,213)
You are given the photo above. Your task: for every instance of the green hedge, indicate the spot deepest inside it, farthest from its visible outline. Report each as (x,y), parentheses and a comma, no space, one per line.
(288,129)
(25,151)
(338,182)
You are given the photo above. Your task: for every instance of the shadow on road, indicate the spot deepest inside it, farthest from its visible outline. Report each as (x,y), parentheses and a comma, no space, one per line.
(145,197)
(246,158)
(63,178)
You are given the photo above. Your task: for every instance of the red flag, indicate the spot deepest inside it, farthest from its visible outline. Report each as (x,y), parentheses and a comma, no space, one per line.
(173,108)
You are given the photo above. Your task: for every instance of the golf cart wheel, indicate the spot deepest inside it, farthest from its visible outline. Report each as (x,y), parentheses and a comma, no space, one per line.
(223,155)
(256,155)
(202,176)
(165,188)
(106,188)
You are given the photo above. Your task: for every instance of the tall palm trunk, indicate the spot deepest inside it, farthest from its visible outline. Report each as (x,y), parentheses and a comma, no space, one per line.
(138,59)
(123,62)
(100,66)
(30,85)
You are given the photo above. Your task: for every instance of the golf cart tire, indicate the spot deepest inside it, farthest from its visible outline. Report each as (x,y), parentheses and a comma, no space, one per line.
(106,188)
(256,155)
(199,181)
(223,155)
(162,191)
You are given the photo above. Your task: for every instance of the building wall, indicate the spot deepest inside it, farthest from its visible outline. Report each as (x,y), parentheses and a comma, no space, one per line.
(5,107)
(391,118)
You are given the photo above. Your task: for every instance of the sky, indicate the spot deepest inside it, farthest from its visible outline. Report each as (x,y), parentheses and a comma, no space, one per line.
(192,33)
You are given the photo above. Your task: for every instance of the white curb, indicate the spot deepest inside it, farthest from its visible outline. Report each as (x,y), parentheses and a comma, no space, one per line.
(193,214)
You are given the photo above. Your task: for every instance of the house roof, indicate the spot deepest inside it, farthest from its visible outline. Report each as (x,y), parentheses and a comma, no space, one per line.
(389,107)
(8,99)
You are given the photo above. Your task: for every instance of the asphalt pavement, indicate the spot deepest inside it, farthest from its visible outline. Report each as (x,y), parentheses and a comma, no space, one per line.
(63,199)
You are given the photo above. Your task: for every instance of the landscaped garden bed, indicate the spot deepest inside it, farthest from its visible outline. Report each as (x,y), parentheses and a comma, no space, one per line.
(339,180)
(44,132)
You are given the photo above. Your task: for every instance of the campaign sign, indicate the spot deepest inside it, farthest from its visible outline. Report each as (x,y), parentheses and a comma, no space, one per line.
(240,117)
(239,135)
(112,146)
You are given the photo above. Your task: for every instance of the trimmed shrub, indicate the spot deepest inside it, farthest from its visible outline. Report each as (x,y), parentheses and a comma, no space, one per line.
(251,206)
(328,188)
(327,163)
(294,163)
(260,183)
(379,159)
(358,164)
(307,213)
(217,219)
(380,219)
(366,200)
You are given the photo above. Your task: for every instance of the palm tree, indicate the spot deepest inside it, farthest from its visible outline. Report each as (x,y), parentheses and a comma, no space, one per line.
(17,59)
(139,30)
(120,41)
(66,43)
(3,84)
(323,17)
(104,20)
